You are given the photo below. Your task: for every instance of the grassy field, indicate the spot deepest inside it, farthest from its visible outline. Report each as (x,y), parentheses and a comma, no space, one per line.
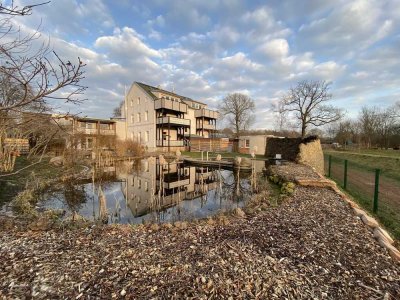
(11,185)
(361,182)
(386,160)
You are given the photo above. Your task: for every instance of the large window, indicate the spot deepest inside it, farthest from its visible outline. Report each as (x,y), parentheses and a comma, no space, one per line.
(247,143)
(146,115)
(139,118)
(132,119)
(138,101)
(146,136)
(131,102)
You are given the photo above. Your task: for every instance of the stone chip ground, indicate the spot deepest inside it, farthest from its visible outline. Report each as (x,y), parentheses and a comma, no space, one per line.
(312,246)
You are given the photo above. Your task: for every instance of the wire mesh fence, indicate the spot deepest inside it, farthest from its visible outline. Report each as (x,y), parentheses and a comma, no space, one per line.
(372,188)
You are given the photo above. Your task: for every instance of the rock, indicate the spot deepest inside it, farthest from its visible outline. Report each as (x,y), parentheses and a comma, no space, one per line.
(57,161)
(154,227)
(358,212)
(167,225)
(239,212)
(380,233)
(369,221)
(394,253)
(181,225)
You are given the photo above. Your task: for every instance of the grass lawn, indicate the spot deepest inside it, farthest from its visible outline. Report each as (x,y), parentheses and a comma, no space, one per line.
(389,162)
(11,185)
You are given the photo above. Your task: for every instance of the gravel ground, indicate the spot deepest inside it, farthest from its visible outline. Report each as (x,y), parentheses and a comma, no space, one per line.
(309,247)
(290,171)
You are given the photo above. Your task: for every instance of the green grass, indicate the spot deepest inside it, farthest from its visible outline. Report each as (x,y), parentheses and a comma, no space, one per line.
(214,154)
(388,215)
(389,166)
(376,152)
(11,185)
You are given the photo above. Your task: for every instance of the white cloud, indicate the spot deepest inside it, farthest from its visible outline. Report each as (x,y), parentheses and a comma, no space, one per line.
(275,49)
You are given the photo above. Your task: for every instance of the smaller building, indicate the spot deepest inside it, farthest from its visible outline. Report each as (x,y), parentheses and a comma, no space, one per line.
(256,143)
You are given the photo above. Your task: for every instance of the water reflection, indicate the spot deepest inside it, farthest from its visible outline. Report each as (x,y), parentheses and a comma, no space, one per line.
(154,190)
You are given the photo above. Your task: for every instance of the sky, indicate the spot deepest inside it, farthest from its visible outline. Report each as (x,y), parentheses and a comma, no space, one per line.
(207,49)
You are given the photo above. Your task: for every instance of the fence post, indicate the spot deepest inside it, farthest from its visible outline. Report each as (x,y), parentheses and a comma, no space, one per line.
(329,165)
(376,192)
(345,174)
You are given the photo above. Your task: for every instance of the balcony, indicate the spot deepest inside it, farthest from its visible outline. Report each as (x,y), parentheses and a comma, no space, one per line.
(107,132)
(207,127)
(206,113)
(86,130)
(173,121)
(170,143)
(177,183)
(171,105)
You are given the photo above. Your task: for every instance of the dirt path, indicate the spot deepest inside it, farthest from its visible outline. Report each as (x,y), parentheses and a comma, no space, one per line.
(309,247)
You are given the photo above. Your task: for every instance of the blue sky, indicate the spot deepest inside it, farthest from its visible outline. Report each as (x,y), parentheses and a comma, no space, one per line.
(207,49)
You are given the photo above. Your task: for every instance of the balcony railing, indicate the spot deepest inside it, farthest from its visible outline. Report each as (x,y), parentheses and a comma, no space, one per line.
(207,126)
(207,113)
(86,130)
(169,104)
(174,184)
(173,120)
(171,143)
(107,132)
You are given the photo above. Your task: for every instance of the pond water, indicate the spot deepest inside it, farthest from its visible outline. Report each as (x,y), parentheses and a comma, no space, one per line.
(145,191)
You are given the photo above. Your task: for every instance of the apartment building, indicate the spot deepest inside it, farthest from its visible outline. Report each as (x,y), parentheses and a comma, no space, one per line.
(87,134)
(163,120)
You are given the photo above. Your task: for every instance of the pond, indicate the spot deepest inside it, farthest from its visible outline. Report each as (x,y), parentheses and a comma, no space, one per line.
(146,191)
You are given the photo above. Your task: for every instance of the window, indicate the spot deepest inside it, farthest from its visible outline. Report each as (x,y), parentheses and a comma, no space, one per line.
(90,125)
(139,183)
(247,143)
(146,186)
(131,102)
(89,143)
(139,117)
(138,101)
(139,136)
(132,119)
(146,136)
(133,181)
(146,115)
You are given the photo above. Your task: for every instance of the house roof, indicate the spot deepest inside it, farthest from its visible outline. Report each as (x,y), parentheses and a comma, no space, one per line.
(150,89)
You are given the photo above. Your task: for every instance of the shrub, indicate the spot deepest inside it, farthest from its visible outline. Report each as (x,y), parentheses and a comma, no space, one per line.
(287,188)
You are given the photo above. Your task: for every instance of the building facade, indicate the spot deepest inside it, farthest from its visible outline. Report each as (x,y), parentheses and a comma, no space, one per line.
(165,121)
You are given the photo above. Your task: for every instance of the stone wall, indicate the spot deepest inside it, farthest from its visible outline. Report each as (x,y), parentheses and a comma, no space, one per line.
(307,151)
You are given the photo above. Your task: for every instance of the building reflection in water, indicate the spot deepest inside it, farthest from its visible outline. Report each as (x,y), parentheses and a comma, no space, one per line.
(175,191)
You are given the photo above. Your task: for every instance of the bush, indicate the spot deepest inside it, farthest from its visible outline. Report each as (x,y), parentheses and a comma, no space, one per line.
(288,188)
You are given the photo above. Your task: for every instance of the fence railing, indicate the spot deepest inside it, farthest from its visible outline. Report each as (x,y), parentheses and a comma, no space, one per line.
(376,190)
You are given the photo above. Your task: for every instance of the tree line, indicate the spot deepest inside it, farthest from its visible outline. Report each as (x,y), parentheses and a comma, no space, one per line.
(373,127)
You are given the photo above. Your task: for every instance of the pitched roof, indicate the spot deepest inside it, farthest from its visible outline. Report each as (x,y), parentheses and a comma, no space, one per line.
(150,89)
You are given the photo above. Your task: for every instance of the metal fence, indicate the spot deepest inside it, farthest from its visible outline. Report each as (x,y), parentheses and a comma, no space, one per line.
(372,188)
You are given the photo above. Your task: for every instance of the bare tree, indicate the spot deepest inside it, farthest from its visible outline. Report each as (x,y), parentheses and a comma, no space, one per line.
(237,109)
(33,80)
(117,112)
(307,103)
